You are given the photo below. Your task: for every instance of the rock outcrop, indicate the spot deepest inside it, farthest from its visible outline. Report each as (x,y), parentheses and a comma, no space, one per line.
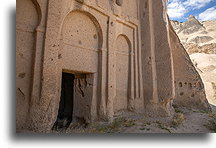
(196,37)
(189,87)
(190,26)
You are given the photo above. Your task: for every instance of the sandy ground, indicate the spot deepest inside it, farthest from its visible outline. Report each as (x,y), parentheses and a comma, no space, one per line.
(184,121)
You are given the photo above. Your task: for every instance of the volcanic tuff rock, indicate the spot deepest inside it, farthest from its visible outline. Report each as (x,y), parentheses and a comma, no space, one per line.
(191,25)
(198,38)
(84,61)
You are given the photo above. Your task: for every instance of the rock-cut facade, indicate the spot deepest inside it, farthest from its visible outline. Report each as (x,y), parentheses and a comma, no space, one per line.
(91,59)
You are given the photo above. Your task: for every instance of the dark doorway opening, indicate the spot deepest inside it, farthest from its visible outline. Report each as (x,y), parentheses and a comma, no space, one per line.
(65,112)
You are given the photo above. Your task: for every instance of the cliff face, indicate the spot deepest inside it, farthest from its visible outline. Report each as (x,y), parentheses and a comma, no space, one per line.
(189,87)
(200,45)
(157,65)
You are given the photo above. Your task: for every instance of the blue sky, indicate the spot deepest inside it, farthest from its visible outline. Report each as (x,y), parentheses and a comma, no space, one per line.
(202,9)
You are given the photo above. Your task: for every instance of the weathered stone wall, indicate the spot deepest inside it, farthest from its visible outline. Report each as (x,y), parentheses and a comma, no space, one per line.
(26,24)
(30,29)
(156,55)
(96,39)
(189,87)
(118,51)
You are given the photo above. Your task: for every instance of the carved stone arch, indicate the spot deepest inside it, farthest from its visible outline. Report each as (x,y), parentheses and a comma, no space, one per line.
(93,19)
(126,39)
(123,73)
(81,29)
(28,12)
(39,12)
(81,44)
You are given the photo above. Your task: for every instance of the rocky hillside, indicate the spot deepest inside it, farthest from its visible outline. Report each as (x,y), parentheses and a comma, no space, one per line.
(199,40)
(196,37)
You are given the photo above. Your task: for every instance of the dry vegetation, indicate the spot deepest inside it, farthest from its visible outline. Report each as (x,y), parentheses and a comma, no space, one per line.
(178,119)
(184,121)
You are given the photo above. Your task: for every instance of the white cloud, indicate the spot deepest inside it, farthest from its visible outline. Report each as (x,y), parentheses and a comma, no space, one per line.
(178,8)
(209,14)
(196,4)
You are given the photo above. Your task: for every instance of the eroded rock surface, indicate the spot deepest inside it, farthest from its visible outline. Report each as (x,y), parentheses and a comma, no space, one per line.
(196,37)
